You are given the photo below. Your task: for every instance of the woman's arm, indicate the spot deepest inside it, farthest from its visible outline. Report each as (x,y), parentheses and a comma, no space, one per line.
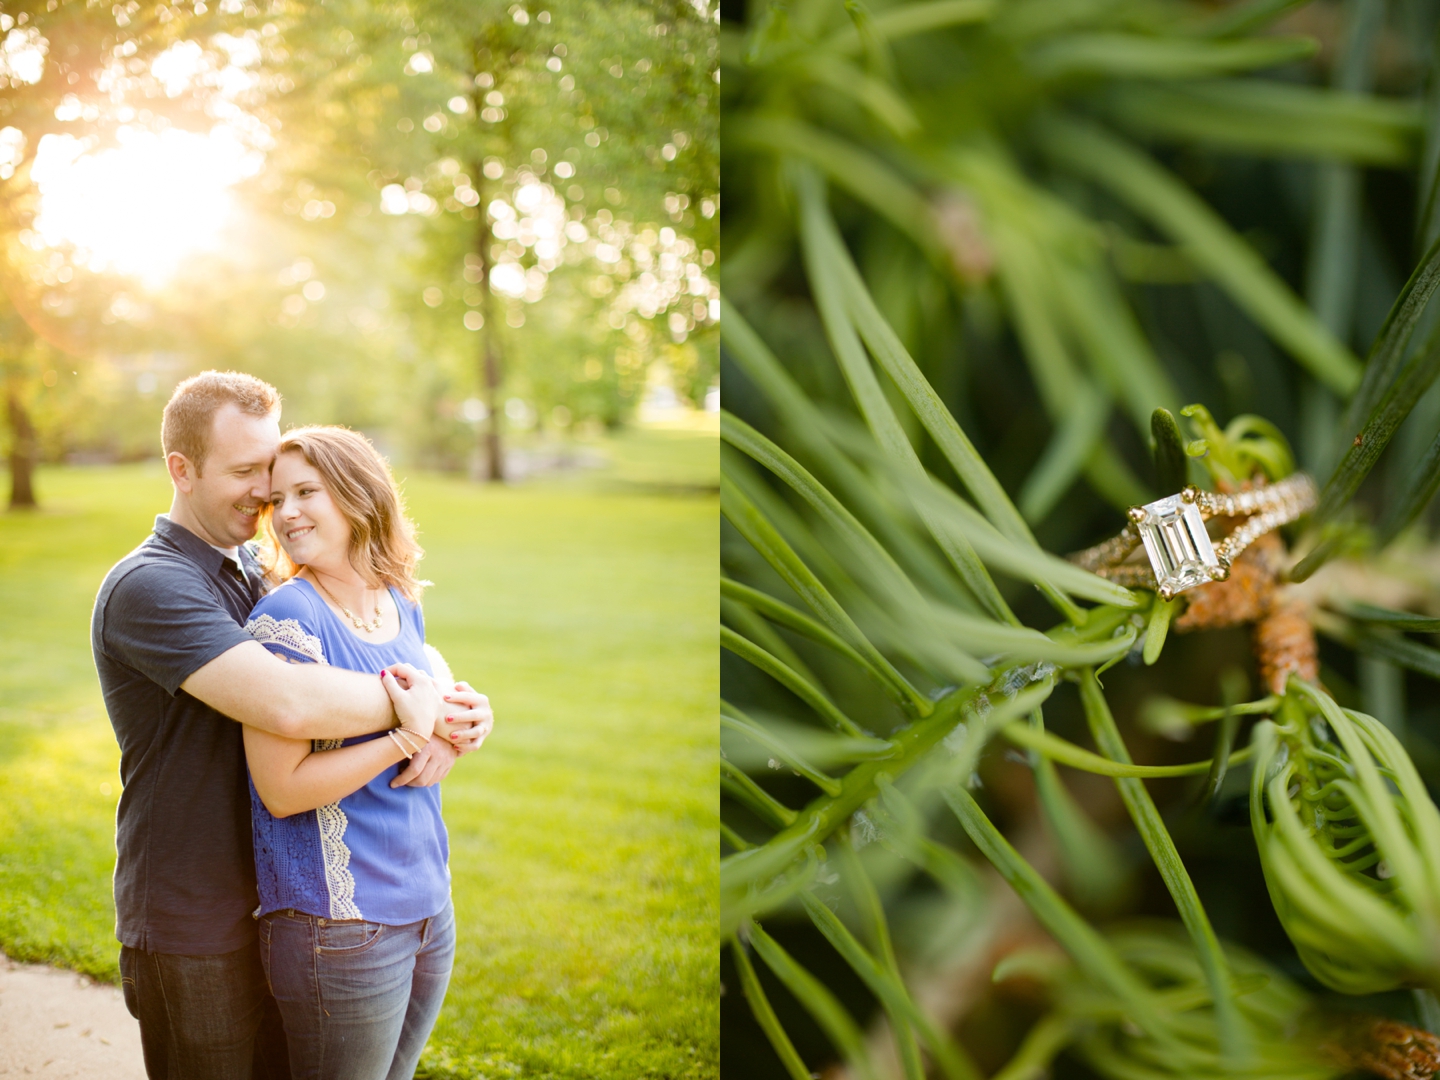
(291,778)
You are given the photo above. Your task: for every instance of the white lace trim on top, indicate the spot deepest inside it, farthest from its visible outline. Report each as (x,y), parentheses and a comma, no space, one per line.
(288,633)
(338,879)
(330,820)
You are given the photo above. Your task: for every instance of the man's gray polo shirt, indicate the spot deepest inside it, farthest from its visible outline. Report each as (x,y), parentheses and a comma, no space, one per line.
(185,867)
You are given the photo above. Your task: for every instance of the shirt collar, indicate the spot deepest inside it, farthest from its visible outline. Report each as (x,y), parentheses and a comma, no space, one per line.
(233,554)
(210,559)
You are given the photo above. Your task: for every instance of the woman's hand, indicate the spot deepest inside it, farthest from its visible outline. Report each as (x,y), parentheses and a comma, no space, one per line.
(468,718)
(416,700)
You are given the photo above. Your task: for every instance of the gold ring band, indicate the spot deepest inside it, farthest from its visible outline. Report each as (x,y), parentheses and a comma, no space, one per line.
(1178,548)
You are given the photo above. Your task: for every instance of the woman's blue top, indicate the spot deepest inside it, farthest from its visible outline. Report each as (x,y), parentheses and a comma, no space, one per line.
(379,854)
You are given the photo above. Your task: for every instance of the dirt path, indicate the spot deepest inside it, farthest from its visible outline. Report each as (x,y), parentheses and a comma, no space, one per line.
(56,1024)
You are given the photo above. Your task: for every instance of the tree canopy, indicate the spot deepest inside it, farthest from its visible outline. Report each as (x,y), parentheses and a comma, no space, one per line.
(430,219)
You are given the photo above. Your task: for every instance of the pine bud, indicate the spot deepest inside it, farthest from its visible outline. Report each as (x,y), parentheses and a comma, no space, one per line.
(1350,844)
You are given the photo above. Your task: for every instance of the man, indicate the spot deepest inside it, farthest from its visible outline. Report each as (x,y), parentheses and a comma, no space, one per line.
(177,670)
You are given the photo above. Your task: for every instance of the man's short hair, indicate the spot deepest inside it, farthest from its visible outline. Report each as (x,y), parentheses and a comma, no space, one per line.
(190,412)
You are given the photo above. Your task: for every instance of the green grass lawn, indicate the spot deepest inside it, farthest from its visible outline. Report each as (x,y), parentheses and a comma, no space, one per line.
(583,834)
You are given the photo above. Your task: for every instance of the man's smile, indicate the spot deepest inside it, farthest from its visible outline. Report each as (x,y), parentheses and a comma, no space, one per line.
(248,511)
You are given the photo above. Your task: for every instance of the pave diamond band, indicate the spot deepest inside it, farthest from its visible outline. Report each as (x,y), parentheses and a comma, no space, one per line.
(1177,545)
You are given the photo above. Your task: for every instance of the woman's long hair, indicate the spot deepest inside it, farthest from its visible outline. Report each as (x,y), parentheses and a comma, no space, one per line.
(382,539)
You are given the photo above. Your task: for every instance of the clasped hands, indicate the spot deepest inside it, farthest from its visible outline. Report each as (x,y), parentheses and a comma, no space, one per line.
(456,717)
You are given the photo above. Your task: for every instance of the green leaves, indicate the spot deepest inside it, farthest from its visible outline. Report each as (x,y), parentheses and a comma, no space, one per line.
(1411,381)
(1136,56)
(870,659)
(765,1015)
(763,536)
(818,1001)
(1084,945)
(1235,1036)
(931,256)
(876,560)
(1136,180)
(953,1062)
(1028,563)
(1246,444)
(1065,455)
(789,678)
(1155,630)
(734,719)
(1394,381)
(903,21)
(1397,620)
(1419,489)
(1168,967)
(830,300)
(860,173)
(1066,753)
(1273,119)
(1388,353)
(1171,464)
(1350,845)
(748,881)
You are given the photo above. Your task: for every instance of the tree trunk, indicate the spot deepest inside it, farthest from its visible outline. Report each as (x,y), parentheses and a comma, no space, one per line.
(22,451)
(490,348)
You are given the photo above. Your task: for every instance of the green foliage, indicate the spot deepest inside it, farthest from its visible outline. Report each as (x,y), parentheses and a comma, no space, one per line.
(582,834)
(977,258)
(1350,843)
(487,120)
(1275,1008)
(601,169)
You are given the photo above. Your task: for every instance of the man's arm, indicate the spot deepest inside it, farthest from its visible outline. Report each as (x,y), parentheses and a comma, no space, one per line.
(292,778)
(297,701)
(164,622)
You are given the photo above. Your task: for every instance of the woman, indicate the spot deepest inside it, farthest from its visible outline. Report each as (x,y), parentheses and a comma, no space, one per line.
(357,932)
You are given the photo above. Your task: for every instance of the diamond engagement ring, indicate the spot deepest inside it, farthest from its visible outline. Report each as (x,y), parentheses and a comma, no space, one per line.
(1173,534)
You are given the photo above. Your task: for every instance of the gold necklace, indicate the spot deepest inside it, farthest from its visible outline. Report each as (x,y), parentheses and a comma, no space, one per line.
(355,620)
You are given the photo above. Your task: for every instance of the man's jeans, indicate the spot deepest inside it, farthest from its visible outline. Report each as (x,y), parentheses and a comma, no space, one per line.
(358,998)
(204,1017)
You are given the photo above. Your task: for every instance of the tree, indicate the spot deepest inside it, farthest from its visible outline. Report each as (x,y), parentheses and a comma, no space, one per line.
(488,120)
(363,316)
(69,68)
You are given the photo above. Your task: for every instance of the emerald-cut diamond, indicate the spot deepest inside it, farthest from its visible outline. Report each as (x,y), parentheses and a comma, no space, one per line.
(1180,551)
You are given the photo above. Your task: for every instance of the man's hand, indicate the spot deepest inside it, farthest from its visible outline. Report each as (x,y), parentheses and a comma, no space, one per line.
(468,718)
(430,765)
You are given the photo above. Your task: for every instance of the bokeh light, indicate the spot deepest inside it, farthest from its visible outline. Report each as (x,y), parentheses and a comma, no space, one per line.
(139,208)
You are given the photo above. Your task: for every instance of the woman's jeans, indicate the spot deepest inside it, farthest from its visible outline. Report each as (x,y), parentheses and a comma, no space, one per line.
(358,998)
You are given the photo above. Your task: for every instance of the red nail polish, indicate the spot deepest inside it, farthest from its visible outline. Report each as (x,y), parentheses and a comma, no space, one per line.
(383,674)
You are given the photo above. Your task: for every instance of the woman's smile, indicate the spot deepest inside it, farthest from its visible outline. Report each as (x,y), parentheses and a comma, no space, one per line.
(307,522)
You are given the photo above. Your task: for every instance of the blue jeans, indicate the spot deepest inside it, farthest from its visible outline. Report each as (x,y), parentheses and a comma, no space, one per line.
(204,1016)
(358,998)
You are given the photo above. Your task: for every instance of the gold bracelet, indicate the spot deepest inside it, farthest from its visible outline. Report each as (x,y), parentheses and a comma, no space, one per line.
(403,730)
(405,751)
